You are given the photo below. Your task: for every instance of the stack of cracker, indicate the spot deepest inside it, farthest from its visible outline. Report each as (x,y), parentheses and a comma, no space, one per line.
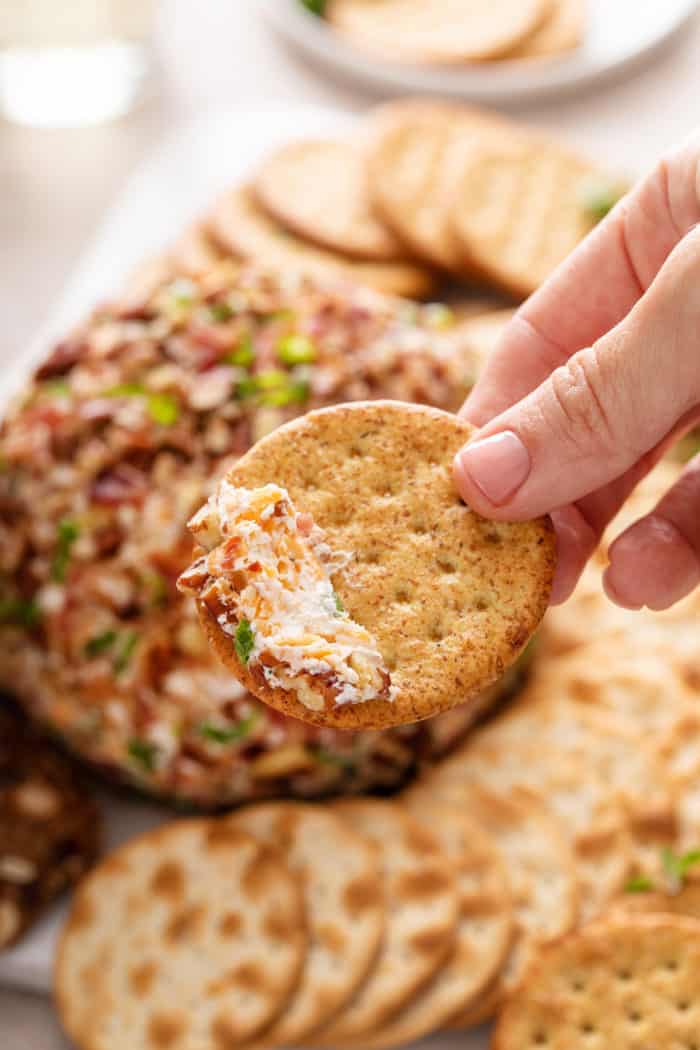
(424,194)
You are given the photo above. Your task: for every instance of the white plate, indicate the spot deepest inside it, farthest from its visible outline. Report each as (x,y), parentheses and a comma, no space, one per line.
(173,186)
(620,34)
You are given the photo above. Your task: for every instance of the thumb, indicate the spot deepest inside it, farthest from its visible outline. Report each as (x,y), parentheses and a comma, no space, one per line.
(598,414)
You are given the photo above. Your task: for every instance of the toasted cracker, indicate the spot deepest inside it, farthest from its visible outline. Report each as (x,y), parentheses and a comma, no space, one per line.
(542,876)
(484,930)
(191,935)
(341,875)
(630,981)
(415,160)
(451,599)
(320,191)
(519,208)
(562,31)
(422,888)
(241,228)
(593,817)
(435,31)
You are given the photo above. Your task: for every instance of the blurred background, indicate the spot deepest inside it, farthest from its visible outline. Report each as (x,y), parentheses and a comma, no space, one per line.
(163,64)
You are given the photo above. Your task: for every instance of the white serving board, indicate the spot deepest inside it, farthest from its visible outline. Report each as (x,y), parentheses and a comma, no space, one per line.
(620,34)
(174,185)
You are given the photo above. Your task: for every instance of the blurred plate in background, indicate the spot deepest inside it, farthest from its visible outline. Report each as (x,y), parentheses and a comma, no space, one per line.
(619,35)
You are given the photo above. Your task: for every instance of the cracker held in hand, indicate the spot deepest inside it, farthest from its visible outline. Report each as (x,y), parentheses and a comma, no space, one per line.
(439,31)
(621,984)
(190,936)
(346,584)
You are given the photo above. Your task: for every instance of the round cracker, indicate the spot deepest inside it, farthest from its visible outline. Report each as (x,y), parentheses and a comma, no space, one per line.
(414,163)
(436,31)
(320,191)
(421,923)
(543,883)
(562,31)
(243,229)
(630,981)
(190,935)
(484,929)
(451,599)
(593,817)
(341,877)
(519,208)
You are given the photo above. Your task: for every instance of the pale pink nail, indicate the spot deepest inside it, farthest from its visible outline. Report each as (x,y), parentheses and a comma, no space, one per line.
(497,465)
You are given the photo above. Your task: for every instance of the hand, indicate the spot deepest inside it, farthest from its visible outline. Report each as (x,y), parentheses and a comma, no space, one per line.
(571,431)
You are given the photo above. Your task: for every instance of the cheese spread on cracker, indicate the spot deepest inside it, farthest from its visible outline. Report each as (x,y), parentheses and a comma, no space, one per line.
(265,576)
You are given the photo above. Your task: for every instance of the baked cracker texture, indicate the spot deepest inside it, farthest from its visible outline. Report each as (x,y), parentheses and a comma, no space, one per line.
(618,984)
(450,598)
(191,936)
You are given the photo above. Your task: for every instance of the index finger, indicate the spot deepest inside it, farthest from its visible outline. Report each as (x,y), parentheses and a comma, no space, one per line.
(596,286)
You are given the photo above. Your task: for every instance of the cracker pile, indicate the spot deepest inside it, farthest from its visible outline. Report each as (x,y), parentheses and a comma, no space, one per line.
(440,33)
(423,192)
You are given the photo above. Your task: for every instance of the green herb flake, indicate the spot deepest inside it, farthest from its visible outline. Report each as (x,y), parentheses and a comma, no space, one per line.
(125,650)
(292,393)
(125,390)
(639,884)
(243,355)
(143,753)
(598,198)
(296,350)
(19,612)
(316,7)
(244,641)
(220,312)
(340,608)
(163,409)
(56,388)
(247,388)
(676,866)
(67,533)
(228,734)
(157,587)
(439,316)
(332,758)
(99,644)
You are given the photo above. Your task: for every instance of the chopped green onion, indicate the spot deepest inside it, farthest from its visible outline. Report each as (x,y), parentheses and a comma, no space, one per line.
(296,350)
(246,388)
(244,641)
(293,393)
(220,312)
(316,7)
(639,884)
(332,758)
(243,355)
(598,198)
(338,604)
(19,612)
(125,390)
(125,650)
(66,534)
(56,388)
(157,584)
(143,753)
(228,734)
(163,409)
(271,379)
(677,866)
(273,388)
(100,643)
(439,315)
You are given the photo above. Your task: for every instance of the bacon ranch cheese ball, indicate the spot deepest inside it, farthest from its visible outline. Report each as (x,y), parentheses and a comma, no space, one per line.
(122,434)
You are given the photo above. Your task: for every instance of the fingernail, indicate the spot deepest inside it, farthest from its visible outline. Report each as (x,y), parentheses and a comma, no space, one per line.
(497,465)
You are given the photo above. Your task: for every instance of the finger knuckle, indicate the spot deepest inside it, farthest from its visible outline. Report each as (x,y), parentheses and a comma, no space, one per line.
(580,399)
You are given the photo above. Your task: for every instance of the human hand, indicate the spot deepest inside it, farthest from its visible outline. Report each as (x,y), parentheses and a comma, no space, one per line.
(571,431)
